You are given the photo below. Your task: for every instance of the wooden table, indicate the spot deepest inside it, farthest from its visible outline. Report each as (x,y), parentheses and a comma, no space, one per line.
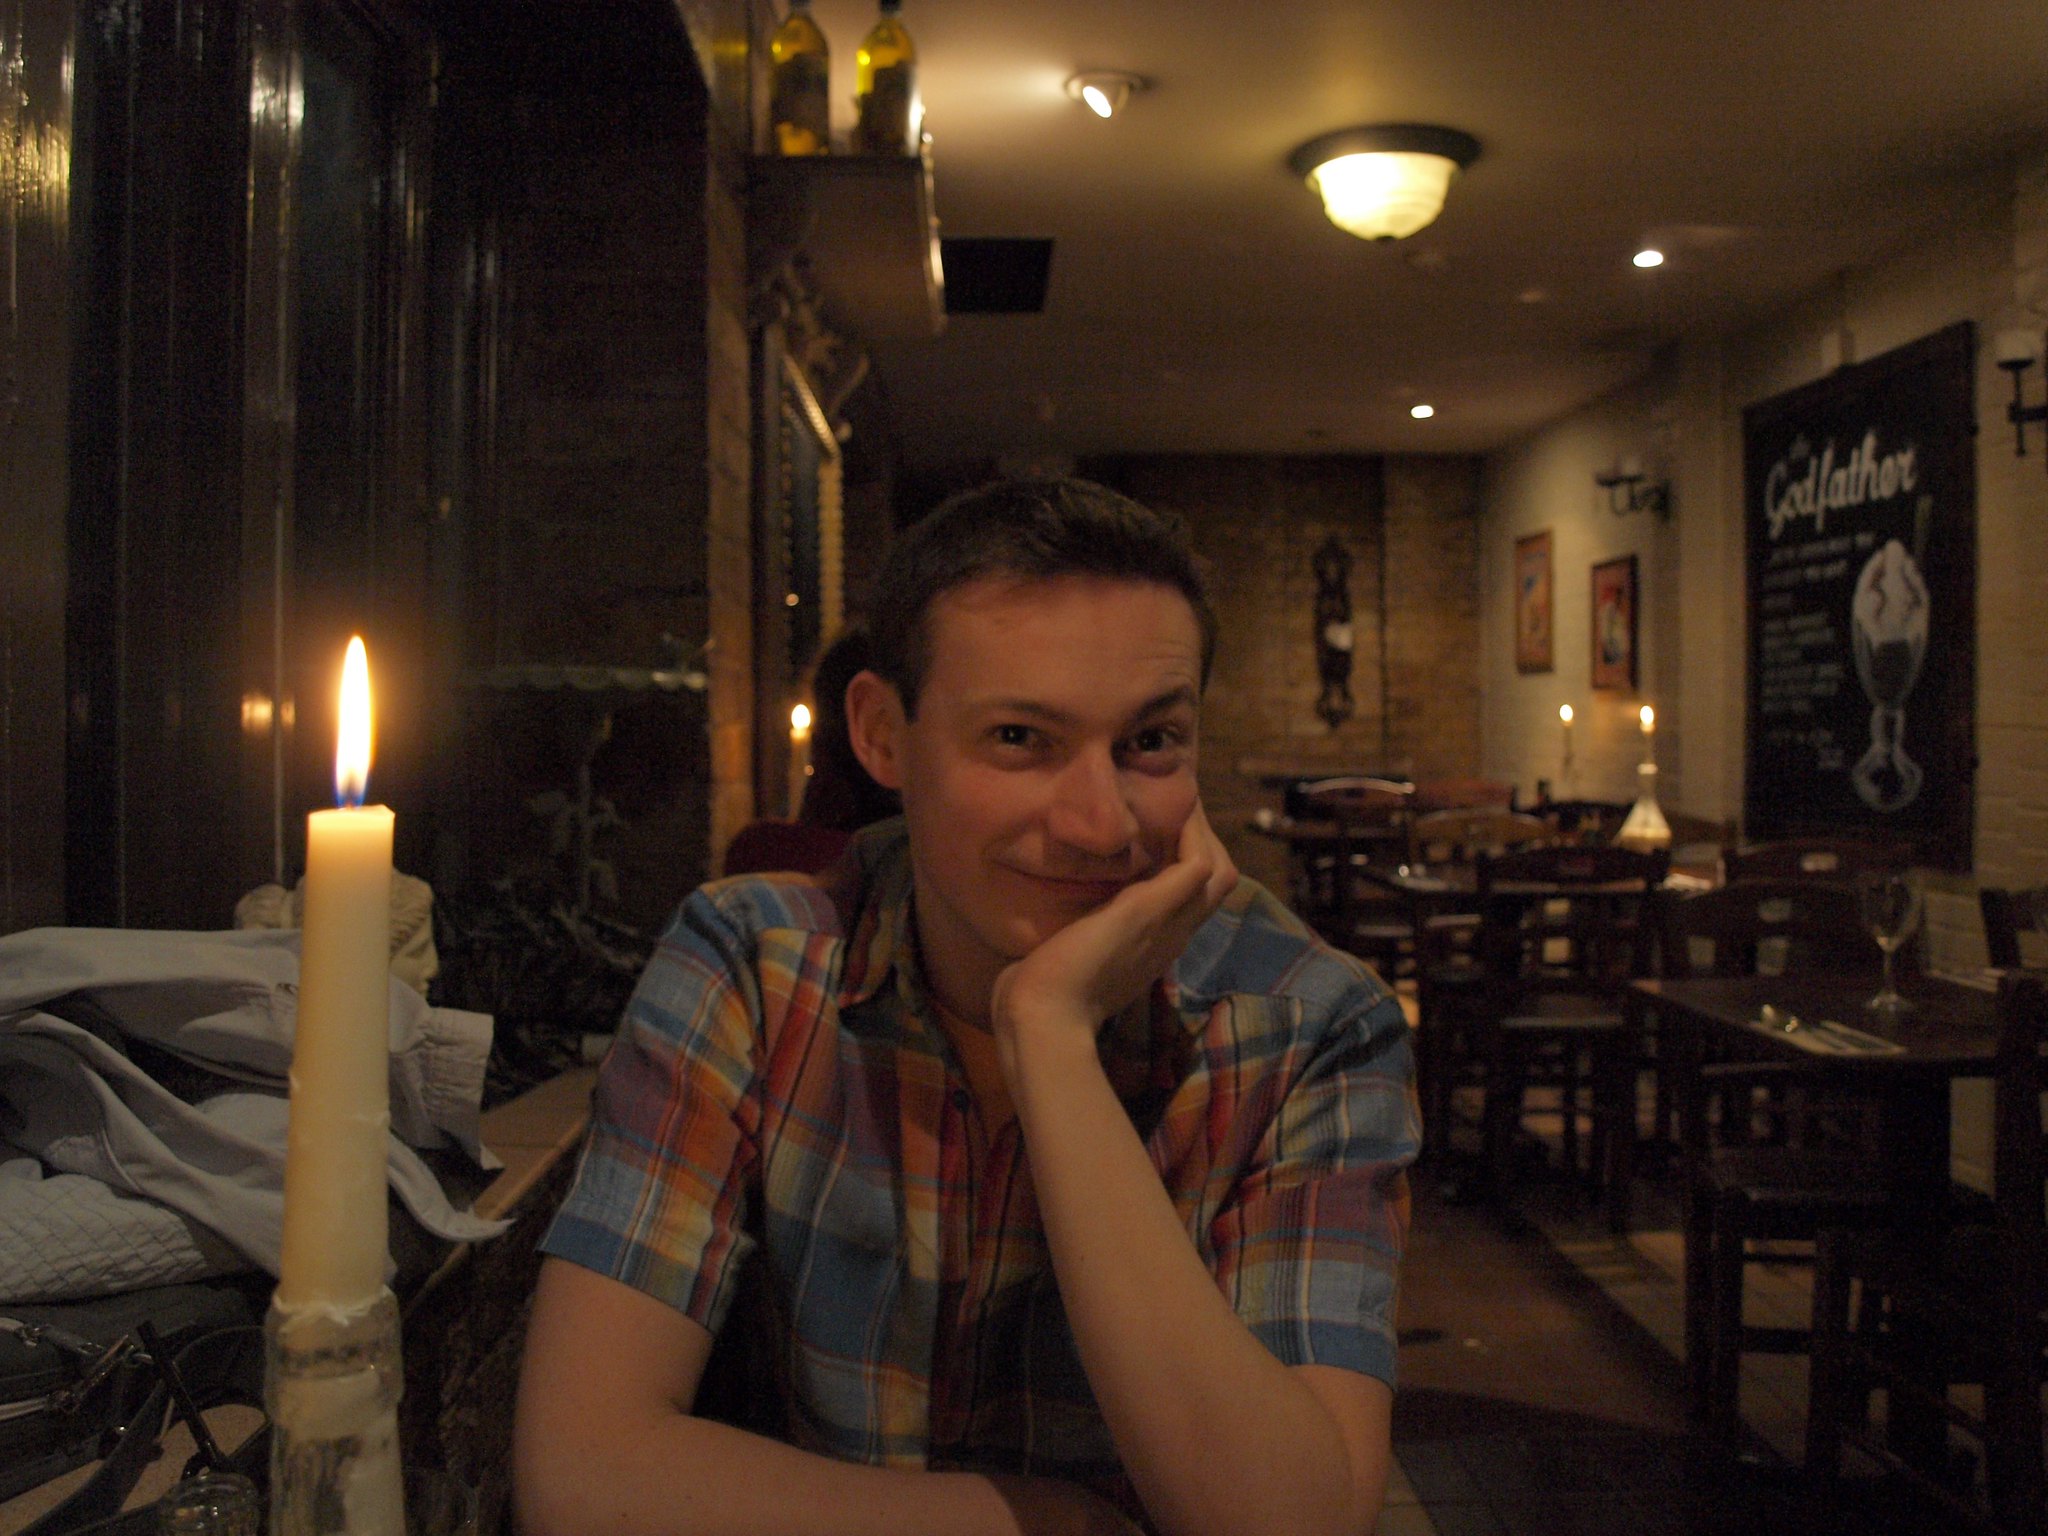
(1951,1032)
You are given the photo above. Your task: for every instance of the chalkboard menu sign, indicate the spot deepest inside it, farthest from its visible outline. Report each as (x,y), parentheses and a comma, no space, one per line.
(1860,505)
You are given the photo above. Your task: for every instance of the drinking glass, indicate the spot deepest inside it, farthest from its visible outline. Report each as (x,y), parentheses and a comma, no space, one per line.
(1891,906)
(211,1504)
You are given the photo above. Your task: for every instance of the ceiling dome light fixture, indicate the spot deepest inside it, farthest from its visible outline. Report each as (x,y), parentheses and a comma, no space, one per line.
(1384,182)
(1104,91)
(1648,257)
(1422,412)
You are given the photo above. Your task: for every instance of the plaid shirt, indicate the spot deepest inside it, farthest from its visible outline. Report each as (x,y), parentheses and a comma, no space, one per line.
(780,1092)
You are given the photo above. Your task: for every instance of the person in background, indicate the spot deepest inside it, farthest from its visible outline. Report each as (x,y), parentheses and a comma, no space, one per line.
(839,797)
(1066,1169)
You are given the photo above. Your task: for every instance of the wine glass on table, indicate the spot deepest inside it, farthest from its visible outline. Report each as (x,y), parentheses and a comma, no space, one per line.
(1891,909)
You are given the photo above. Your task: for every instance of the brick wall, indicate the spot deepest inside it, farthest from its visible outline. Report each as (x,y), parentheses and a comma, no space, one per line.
(1258,522)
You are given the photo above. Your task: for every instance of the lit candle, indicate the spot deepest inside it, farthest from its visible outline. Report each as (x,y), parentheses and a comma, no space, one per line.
(334,1173)
(1649,718)
(1564,716)
(799,754)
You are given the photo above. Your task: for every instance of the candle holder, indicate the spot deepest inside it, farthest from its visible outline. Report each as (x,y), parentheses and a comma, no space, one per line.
(1645,827)
(331,1386)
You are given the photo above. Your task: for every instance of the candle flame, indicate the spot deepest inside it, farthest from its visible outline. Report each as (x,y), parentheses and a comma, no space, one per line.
(1564,713)
(1649,719)
(352,741)
(800,722)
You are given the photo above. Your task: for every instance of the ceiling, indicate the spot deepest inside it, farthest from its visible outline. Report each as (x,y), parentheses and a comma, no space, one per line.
(1200,301)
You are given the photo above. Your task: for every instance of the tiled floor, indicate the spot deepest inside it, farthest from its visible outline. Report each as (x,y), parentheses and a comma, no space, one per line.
(1541,1389)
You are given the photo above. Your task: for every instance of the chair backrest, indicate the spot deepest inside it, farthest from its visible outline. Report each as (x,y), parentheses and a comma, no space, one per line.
(1585,821)
(1698,837)
(1775,925)
(1463,792)
(1348,797)
(1461,836)
(2006,913)
(2019,1162)
(1838,859)
(1570,914)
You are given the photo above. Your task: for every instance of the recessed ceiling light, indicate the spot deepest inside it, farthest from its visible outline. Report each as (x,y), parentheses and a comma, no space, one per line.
(1649,258)
(1422,412)
(1104,91)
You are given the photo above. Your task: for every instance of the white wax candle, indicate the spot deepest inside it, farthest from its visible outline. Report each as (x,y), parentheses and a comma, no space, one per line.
(1648,716)
(335,1225)
(799,755)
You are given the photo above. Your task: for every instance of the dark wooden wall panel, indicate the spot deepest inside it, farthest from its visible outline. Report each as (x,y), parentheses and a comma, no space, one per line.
(36,41)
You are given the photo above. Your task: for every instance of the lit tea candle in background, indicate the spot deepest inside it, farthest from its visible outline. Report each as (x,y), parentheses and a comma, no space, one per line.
(1649,718)
(335,1223)
(799,754)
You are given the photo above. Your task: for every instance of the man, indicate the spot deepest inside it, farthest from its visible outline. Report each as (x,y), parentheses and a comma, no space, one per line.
(1069,1165)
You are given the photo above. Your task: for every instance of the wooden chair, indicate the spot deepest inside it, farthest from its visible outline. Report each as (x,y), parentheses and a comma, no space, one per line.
(1585,821)
(1838,860)
(1369,818)
(1463,792)
(1976,1314)
(1742,1190)
(1459,836)
(1446,964)
(2006,914)
(1562,932)
(1699,840)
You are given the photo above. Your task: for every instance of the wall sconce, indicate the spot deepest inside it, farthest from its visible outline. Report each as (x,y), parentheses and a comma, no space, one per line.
(1335,637)
(2016,353)
(1104,91)
(1384,182)
(1630,488)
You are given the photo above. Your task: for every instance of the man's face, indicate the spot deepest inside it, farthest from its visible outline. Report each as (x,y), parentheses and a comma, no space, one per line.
(1051,762)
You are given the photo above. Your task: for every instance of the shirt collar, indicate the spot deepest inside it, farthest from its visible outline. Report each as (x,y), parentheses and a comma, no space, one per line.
(875,873)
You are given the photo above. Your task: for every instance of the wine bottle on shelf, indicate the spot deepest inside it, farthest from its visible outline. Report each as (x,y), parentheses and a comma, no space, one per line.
(800,85)
(889,114)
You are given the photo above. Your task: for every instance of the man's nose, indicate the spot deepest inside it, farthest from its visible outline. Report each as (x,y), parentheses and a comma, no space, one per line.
(1090,813)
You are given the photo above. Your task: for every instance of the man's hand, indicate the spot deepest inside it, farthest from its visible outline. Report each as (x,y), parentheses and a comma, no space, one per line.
(1099,964)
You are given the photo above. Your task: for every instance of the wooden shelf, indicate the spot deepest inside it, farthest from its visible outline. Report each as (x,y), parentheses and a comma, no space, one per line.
(864,229)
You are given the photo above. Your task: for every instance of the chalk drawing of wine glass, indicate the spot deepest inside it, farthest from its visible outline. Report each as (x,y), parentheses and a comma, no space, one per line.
(1888,618)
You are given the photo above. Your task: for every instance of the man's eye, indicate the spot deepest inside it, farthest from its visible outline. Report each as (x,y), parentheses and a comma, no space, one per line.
(1014,735)
(1154,740)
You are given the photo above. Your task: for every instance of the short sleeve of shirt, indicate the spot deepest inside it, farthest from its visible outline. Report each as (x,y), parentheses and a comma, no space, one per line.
(1308,1249)
(658,1200)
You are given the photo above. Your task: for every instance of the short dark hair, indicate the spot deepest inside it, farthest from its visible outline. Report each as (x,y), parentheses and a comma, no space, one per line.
(1032,530)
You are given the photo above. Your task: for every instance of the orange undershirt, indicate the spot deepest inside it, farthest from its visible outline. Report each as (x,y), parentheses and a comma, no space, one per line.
(976,1049)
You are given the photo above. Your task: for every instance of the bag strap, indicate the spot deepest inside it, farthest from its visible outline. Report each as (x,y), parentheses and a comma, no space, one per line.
(225,1366)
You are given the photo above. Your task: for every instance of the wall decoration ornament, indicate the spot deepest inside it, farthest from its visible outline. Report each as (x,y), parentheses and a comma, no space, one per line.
(1614,623)
(1335,638)
(1533,603)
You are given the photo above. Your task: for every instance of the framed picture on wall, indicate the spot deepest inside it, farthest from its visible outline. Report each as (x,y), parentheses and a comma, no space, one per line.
(1533,603)
(1614,623)
(1860,515)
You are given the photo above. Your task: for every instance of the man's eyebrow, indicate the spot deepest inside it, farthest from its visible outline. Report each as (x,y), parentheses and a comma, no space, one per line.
(1172,699)
(1181,694)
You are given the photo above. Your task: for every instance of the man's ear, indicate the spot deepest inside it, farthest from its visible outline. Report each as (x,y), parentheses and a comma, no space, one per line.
(876,722)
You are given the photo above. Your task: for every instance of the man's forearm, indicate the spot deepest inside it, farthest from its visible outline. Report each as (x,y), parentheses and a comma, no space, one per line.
(1217,1435)
(673,1474)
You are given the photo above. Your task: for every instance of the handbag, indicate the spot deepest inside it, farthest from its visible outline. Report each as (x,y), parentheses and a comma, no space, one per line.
(80,1382)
